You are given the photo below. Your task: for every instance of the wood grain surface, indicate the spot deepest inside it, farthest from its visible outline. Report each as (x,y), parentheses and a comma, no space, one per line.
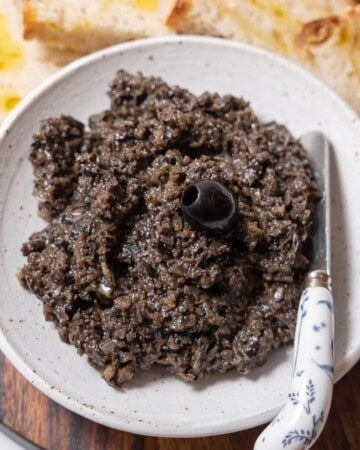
(30,413)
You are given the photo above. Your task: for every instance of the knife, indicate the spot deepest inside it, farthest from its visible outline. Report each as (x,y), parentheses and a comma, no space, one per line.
(10,440)
(303,416)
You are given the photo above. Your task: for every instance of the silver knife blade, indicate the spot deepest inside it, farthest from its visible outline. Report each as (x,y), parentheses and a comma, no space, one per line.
(9,439)
(318,149)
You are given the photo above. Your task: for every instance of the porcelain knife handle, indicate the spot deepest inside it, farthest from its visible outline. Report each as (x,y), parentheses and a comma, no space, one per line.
(302,418)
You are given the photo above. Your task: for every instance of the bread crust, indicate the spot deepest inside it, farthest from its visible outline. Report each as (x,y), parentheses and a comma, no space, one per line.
(28,19)
(178,12)
(316,32)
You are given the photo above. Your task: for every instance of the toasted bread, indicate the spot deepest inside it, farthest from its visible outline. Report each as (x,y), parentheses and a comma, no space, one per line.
(330,47)
(271,24)
(19,59)
(87,25)
(322,34)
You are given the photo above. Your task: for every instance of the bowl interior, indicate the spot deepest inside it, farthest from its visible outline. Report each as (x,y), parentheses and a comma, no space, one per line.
(155,403)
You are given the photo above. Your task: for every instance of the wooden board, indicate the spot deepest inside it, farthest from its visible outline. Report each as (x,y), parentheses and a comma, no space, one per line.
(30,413)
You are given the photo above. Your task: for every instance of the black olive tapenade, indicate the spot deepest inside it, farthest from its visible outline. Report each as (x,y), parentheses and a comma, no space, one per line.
(121,273)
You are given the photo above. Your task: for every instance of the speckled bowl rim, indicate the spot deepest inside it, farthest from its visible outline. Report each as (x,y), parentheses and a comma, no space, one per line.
(25,369)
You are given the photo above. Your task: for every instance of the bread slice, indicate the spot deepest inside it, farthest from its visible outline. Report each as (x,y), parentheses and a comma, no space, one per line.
(271,24)
(330,47)
(322,34)
(87,25)
(23,64)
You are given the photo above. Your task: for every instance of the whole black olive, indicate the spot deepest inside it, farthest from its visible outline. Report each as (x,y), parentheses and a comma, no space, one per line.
(210,206)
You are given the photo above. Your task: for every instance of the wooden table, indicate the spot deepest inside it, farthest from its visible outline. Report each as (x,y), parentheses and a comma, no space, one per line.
(30,413)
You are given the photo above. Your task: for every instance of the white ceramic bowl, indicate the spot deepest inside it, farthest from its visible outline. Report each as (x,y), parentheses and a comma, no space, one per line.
(154,403)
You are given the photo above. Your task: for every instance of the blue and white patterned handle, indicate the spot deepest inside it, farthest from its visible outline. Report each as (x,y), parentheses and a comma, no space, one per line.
(301,420)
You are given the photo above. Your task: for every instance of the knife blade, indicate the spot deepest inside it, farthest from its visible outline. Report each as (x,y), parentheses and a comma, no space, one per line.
(318,149)
(10,440)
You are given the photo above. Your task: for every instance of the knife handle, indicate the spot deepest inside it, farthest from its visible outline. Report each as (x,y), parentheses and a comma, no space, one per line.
(302,418)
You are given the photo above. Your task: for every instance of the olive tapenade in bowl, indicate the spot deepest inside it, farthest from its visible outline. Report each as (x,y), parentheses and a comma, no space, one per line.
(177,231)
(167,236)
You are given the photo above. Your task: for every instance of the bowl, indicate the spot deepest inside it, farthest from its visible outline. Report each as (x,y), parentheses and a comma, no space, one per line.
(155,403)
